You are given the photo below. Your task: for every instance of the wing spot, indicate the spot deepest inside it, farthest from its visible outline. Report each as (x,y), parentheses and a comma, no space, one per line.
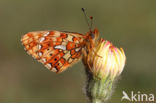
(70,60)
(70,45)
(54,70)
(39,47)
(42,39)
(57,34)
(49,65)
(40,54)
(46,34)
(77,49)
(43,60)
(62,47)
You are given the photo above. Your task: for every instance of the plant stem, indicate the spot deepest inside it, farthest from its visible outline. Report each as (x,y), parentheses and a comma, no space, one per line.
(97,90)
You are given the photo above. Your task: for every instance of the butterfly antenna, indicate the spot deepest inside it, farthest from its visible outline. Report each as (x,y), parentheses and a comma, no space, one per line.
(91,18)
(85,14)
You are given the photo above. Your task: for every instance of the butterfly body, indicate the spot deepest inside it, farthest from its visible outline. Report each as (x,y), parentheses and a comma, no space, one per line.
(58,50)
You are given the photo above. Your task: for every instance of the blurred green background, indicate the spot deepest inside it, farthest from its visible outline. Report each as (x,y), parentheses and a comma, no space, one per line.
(130,24)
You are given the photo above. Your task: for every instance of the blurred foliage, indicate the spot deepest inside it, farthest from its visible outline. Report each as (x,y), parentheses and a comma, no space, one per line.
(127,23)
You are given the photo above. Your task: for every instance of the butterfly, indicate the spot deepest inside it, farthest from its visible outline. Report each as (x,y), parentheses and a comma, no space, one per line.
(58,50)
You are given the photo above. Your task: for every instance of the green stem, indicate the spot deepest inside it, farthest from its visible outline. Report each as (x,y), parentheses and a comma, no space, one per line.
(98,90)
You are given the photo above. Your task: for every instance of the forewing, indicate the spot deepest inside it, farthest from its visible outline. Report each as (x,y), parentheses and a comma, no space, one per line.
(56,50)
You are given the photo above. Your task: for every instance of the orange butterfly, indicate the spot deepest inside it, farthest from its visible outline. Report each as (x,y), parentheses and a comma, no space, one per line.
(58,50)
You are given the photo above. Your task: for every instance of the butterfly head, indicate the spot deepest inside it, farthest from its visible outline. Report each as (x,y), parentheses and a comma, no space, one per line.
(94,34)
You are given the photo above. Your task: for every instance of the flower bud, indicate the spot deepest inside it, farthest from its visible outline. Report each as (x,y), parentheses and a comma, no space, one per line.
(106,60)
(104,64)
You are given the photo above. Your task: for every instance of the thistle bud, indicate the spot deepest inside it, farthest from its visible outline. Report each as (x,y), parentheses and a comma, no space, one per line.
(105,63)
(106,60)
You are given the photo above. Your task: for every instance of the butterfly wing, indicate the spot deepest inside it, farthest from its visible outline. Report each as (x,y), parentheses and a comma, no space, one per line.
(56,50)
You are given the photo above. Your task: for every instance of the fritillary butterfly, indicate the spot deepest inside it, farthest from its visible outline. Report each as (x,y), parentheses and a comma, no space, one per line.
(58,50)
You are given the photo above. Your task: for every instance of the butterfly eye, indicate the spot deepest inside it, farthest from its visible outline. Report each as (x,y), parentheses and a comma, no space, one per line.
(92,35)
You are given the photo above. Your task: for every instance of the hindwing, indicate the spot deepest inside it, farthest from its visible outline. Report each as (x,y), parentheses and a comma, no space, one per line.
(56,50)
